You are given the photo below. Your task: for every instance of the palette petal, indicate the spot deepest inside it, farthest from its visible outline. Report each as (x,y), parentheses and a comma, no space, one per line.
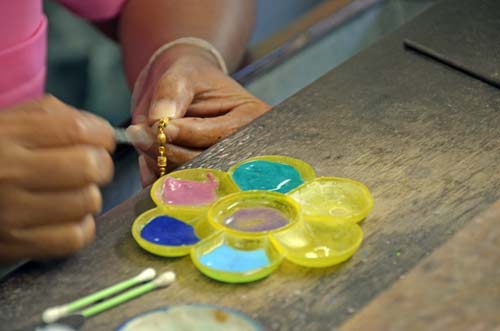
(167,233)
(334,198)
(319,242)
(192,191)
(232,259)
(271,173)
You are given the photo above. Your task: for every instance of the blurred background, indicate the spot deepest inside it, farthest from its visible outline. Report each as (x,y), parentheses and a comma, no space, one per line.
(294,43)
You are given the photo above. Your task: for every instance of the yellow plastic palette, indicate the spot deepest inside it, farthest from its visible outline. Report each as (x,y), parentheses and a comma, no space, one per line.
(334,198)
(239,226)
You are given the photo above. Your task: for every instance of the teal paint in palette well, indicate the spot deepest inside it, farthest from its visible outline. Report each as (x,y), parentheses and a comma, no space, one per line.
(228,259)
(169,231)
(267,176)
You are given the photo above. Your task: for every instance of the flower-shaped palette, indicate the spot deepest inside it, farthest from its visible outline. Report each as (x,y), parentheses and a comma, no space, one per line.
(239,226)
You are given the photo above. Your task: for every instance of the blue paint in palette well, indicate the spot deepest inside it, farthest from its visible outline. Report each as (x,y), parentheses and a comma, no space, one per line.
(228,259)
(169,231)
(267,176)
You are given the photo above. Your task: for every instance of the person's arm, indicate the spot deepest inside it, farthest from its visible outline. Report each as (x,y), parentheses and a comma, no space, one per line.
(185,83)
(145,25)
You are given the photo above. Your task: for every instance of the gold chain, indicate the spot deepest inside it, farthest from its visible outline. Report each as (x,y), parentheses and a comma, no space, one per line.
(162,142)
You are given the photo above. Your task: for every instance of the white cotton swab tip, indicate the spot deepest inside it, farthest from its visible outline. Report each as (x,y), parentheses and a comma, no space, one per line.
(146,275)
(164,279)
(53,314)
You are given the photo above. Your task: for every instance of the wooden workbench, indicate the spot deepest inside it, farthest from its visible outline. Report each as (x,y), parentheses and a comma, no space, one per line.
(456,288)
(423,137)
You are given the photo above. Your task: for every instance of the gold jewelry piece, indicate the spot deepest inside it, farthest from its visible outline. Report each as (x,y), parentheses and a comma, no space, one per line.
(162,142)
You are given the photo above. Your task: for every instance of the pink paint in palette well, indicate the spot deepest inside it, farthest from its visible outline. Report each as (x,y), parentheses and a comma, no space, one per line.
(190,192)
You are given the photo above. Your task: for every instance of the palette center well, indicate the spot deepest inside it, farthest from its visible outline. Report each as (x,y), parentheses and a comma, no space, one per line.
(256,219)
(254,213)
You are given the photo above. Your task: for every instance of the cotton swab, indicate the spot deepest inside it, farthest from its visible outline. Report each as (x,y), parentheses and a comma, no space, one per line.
(53,314)
(121,136)
(163,280)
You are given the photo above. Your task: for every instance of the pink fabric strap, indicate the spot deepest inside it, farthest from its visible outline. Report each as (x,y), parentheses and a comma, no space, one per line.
(23,43)
(23,68)
(18,21)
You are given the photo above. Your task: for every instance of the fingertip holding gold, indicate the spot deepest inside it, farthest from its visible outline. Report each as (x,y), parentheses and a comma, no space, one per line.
(139,136)
(171,130)
(163,108)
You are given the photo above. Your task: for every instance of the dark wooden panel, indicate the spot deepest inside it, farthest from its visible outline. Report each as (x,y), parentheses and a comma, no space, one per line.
(456,288)
(466,35)
(425,140)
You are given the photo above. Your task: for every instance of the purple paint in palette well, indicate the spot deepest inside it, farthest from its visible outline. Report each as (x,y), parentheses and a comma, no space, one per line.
(256,219)
(190,192)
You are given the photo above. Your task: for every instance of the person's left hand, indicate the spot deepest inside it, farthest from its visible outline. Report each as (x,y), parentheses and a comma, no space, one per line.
(203,103)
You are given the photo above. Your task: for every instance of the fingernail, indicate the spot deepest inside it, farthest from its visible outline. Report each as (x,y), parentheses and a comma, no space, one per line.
(162,109)
(87,229)
(98,156)
(172,131)
(91,121)
(147,176)
(139,137)
(103,165)
(95,195)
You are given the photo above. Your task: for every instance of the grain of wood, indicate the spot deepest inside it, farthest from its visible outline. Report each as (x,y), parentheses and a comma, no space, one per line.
(423,138)
(456,288)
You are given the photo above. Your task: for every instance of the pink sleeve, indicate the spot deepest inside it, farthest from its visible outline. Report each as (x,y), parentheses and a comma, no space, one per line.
(95,10)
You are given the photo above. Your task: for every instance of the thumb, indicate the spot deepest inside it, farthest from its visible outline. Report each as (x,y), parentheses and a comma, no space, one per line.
(171,97)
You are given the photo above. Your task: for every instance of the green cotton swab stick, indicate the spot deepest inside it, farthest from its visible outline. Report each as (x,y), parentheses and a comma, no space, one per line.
(161,281)
(53,314)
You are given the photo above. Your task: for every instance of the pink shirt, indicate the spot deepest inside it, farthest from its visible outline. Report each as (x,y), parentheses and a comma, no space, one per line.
(23,43)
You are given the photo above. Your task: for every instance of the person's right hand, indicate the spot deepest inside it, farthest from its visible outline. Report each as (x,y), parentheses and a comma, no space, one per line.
(53,158)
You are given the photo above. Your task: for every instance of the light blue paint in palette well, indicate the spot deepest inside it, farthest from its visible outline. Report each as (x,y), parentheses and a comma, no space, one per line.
(228,259)
(267,176)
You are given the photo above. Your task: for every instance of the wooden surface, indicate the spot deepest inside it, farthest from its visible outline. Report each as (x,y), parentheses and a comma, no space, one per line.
(469,28)
(424,139)
(456,288)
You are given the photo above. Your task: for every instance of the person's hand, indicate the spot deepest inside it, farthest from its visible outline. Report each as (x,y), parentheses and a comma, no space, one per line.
(205,106)
(52,160)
